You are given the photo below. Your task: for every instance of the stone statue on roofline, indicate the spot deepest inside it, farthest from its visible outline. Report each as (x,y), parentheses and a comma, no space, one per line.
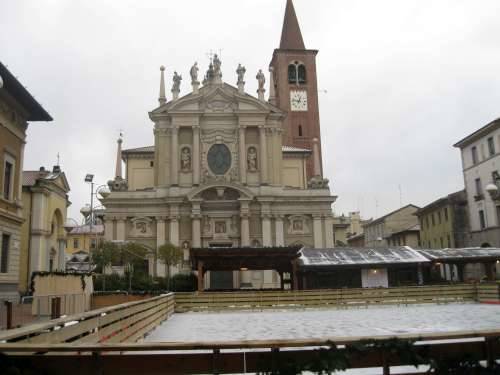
(261,79)
(176,86)
(241,74)
(194,73)
(217,67)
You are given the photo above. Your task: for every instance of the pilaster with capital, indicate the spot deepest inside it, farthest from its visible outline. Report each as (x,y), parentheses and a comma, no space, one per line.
(174,157)
(244,223)
(263,154)
(160,231)
(108,229)
(280,232)
(318,231)
(316,157)
(174,225)
(329,242)
(243,155)
(120,228)
(196,224)
(196,155)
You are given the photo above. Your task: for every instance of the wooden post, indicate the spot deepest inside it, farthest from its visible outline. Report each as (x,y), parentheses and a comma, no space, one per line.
(8,306)
(460,272)
(55,308)
(200,276)
(295,280)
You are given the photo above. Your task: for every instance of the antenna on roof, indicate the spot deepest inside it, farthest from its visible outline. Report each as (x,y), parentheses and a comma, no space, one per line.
(58,159)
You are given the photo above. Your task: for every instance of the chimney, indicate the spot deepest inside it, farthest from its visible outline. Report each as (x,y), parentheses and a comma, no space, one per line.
(56,169)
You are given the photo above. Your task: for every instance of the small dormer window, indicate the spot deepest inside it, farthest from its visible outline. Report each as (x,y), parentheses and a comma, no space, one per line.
(297,73)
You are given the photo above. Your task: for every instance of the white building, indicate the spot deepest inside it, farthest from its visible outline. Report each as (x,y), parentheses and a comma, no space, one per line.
(481,167)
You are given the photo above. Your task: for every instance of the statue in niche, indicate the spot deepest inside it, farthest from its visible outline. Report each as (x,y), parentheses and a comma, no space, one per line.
(176,86)
(241,74)
(186,159)
(252,159)
(194,73)
(220,227)
(261,79)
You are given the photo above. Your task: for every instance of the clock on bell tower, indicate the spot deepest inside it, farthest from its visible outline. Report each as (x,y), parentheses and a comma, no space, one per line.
(295,85)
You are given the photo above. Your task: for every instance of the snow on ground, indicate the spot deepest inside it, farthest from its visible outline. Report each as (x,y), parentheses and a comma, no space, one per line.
(324,323)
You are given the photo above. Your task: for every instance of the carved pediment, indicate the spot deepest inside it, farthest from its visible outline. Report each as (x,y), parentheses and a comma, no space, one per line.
(224,99)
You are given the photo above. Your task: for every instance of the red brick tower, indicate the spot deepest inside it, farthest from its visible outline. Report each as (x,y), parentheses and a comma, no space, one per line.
(295,88)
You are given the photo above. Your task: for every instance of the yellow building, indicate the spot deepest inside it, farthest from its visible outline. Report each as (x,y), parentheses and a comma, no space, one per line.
(443,223)
(82,238)
(45,201)
(17,107)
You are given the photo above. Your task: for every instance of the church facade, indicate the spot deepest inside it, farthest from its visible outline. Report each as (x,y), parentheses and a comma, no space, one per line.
(228,169)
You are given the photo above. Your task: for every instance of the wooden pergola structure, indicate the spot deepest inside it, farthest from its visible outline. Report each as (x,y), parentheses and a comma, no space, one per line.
(281,259)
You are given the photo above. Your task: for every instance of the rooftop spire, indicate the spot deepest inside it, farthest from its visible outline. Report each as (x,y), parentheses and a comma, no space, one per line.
(118,173)
(162,99)
(291,37)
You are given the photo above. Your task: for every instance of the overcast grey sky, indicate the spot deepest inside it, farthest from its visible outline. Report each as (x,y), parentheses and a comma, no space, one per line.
(405,79)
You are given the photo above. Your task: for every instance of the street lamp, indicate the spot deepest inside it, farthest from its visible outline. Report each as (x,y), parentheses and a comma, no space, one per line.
(492,190)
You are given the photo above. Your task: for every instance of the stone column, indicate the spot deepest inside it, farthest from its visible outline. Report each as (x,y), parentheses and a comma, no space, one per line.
(244,223)
(174,225)
(318,233)
(120,228)
(262,163)
(196,227)
(174,230)
(160,240)
(36,253)
(196,155)
(243,155)
(62,255)
(266,231)
(329,243)
(174,156)
(280,233)
(160,231)
(108,229)
(196,224)
(316,156)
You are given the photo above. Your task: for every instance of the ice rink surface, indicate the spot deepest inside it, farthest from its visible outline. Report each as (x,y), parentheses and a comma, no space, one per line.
(325,323)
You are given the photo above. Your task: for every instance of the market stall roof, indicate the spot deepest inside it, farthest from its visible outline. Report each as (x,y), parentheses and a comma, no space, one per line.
(235,258)
(467,254)
(359,256)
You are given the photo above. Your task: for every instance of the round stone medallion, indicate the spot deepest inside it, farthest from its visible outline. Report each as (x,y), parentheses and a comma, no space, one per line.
(219,159)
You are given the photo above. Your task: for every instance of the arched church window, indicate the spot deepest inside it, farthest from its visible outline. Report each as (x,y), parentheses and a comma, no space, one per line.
(300,130)
(292,73)
(301,73)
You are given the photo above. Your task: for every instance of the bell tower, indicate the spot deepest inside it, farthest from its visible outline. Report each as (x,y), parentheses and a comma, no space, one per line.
(295,89)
